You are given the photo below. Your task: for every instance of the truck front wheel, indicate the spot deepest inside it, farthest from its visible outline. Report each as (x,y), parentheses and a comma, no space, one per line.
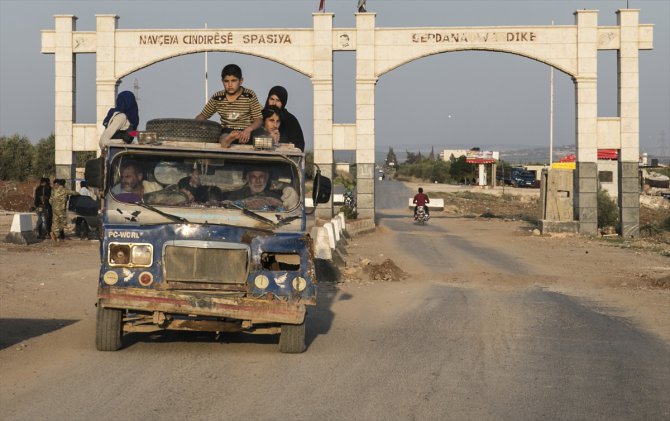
(108,329)
(292,339)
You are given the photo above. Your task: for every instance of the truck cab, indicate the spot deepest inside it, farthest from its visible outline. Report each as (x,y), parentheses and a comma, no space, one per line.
(197,237)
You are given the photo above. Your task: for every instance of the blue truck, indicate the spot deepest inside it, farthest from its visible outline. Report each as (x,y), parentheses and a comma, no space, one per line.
(183,249)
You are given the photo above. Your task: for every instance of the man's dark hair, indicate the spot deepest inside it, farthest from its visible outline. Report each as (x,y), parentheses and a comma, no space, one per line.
(44,180)
(420,190)
(232,70)
(269,111)
(139,169)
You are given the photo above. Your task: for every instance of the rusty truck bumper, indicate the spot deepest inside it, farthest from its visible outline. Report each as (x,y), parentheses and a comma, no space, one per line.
(202,304)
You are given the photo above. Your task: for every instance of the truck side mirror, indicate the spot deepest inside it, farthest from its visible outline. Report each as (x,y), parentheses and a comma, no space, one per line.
(322,189)
(93,172)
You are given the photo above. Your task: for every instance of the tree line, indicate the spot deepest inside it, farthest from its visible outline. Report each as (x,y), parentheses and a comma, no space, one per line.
(20,160)
(431,168)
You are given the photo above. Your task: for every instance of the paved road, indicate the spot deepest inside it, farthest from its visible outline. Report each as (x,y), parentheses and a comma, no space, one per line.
(414,350)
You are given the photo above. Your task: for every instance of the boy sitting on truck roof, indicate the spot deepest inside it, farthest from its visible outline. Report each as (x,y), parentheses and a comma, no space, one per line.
(237,106)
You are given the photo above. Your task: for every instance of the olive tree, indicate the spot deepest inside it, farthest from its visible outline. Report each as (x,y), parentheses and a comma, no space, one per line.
(16,158)
(44,164)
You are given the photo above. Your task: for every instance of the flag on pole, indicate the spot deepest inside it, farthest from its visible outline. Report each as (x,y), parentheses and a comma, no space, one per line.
(322,6)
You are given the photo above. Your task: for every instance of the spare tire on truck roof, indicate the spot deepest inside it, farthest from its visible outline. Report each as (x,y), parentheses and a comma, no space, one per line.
(185,129)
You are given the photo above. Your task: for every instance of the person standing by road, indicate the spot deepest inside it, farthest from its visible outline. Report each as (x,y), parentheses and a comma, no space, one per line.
(43,207)
(290,129)
(58,201)
(421,199)
(237,106)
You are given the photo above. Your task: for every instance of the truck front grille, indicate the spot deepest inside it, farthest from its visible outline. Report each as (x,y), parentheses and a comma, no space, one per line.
(206,262)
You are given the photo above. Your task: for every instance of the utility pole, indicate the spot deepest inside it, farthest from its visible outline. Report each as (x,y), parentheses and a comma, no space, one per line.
(206,87)
(551,113)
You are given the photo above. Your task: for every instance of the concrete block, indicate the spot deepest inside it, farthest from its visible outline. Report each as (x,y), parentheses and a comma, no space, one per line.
(343,220)
(21,231)
(336,230)
(629,200)
(630,185)
(366,213)
(588,228)
(588,200)
(321,244)
(547,227)
(587,185)
(587,169)
(629,169)
(331,234)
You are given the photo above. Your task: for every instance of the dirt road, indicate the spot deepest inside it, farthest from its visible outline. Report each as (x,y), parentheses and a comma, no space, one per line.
(490,321)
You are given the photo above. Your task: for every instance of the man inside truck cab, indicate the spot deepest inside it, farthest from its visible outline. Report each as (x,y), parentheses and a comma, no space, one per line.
(258,193)
(133,185)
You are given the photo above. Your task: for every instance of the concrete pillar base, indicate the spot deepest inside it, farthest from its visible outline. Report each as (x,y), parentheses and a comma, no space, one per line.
(548,227)
(66,172)
(629,199)
(586,197)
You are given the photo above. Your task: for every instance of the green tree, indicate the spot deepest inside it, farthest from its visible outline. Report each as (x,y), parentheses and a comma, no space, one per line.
(431,155)
(44,164)
(608,211)
(16,158)
(309,168)
(460,170)
(391,160)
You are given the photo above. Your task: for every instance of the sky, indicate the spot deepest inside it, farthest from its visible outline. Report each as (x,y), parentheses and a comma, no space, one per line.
(451,100)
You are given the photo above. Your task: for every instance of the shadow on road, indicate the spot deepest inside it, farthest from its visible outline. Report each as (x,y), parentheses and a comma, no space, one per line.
(13,331)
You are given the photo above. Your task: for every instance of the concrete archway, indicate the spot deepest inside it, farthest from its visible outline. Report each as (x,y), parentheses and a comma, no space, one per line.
(572,49)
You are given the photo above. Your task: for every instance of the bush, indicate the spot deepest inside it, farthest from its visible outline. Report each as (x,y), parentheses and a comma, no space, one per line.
(348,212)
(608,211)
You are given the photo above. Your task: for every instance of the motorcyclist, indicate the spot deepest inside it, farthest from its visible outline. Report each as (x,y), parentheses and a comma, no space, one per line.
(421,199)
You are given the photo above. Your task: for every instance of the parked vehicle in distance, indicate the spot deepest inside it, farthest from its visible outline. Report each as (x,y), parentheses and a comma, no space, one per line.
(516,177)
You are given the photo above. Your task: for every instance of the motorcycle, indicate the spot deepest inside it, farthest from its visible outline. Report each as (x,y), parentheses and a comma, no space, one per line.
(420,216)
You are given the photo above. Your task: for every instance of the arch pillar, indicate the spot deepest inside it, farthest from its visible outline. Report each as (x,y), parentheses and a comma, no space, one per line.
(586,98)
(366,80)
(322,82)
(65,99)
(105,67)
(629,118)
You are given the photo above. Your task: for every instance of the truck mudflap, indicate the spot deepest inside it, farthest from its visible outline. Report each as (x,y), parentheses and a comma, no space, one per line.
(193,303)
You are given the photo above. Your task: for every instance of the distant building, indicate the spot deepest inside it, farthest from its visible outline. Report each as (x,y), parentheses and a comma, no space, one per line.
(446,154)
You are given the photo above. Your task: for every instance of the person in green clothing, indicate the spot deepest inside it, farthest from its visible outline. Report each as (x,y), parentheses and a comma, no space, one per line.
(58,201)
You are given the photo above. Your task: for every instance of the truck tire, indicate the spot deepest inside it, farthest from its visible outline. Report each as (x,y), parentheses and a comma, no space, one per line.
(185,129)
(292,339)
(108,329)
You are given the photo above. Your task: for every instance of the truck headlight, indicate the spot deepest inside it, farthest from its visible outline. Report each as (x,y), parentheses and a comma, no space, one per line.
(130,255)
(141,255)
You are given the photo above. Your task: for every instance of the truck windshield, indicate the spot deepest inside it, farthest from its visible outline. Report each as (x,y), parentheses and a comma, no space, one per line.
(231,182)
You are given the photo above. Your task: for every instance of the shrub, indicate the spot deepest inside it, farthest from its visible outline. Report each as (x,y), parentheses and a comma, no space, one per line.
(608,212)
(348,212)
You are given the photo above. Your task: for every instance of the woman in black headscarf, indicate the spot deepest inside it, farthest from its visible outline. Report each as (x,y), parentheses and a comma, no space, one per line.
(290,129)
(122,120)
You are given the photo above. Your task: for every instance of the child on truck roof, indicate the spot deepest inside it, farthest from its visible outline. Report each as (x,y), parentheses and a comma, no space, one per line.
(237,106)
